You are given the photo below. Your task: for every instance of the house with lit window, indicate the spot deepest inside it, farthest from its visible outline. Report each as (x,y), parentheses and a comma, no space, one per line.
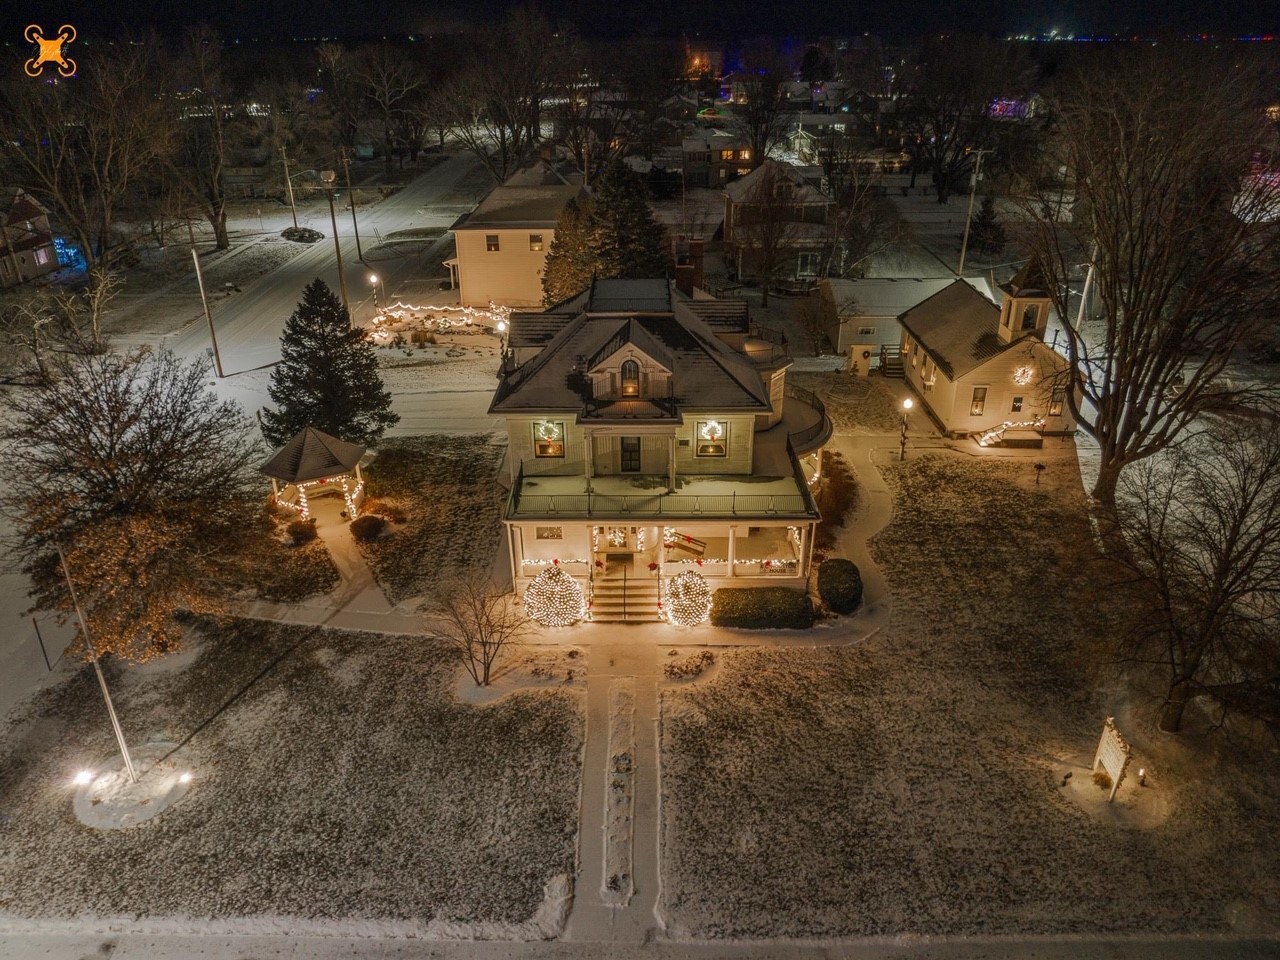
(714,158)
(502,245)
(982,368)
(650,434)
(26,240)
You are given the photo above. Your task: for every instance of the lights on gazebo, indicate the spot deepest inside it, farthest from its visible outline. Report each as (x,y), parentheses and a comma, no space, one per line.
(688,599)
(554,598)
(1022,376)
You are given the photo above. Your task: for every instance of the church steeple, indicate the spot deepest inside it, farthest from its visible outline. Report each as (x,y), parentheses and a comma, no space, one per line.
(1025,307)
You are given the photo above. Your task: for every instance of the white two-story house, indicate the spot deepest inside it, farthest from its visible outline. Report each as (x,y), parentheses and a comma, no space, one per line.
(650,434)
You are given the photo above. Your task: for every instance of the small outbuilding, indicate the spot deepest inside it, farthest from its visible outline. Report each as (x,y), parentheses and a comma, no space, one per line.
(314,464)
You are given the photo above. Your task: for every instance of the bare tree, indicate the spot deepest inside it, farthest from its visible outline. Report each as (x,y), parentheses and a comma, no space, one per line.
(206,125)
(863,223)
(1203,525)
(768,227)
(481,622)
(652,73)
(390,84)
(1180,237)
(147,482)
(341,96)
(85,148)
(763,79)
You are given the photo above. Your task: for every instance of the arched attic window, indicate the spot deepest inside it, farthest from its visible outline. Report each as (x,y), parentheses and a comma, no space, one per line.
(630,376)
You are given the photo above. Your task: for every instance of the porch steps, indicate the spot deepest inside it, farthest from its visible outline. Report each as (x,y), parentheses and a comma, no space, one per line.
(634,600)
(892,367)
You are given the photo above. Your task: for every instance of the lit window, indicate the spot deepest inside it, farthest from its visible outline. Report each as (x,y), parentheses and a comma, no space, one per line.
(1016,407)
(979,401)
(1030,317)
(745,155)
(807,265)
(548,438)
(726,154)
(1056,401)
(42,256)
(630,378)
(712,439)
(535,241)
(866,331)
(549,533)
(491,242)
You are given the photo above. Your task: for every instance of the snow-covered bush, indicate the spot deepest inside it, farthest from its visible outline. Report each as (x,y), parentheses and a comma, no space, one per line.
(840,585)
(762,608)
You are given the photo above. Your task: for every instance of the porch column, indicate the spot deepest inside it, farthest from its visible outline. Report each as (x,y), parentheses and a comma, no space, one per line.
(512,534)
(588,446)
(275,489)
(733,536)
(809,540)
(671,464)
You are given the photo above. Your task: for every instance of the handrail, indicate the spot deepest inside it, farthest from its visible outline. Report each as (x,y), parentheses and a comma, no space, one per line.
(801,437)
(663,505)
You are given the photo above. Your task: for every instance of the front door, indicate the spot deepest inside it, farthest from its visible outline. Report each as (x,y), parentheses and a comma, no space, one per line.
(630,454)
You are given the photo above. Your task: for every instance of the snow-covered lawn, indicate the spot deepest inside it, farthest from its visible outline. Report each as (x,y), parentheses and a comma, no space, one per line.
(860,405)
(444,487)
(913,783)
(337,780)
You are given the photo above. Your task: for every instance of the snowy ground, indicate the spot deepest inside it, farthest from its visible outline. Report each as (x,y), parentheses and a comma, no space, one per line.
(912,784)
(339,785)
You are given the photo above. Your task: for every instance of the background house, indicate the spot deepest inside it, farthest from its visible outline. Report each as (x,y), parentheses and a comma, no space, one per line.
(502,245)
(777,226)
(714,158)
(984,369)
(26,240)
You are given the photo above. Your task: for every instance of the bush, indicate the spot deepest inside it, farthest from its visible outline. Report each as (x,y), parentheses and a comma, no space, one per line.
(762,608)
(840,585)
(301,234)
(1102,779)
(391,512)
(368,527)
(301,531)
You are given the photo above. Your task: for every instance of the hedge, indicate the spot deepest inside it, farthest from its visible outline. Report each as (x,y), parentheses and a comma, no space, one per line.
(368,527)
(840,585)
(762,608)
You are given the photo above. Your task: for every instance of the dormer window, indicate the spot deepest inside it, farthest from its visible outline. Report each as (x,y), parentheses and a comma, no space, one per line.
(630,376)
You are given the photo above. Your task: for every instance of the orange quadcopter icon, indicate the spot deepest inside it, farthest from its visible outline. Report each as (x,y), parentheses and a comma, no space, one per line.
(50,50)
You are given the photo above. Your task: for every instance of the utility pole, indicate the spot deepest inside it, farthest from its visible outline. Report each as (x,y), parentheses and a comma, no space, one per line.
(213,337)
(288,182)
(973,190)
(93,655)
(351,197)
(328,177)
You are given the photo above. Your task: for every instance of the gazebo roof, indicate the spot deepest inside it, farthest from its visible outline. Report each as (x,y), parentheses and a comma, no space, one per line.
(312,455)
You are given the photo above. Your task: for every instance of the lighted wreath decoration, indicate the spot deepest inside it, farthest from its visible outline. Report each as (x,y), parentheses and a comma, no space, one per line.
(1022,376)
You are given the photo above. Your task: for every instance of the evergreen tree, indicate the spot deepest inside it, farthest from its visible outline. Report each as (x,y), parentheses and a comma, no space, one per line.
(327,376)
(613,234)
(987,232)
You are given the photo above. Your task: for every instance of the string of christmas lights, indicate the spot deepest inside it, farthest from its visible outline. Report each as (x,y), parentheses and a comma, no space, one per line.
(554,598)
(687,599)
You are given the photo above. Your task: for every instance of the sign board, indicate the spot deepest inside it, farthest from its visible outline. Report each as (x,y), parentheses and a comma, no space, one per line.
(1112,755)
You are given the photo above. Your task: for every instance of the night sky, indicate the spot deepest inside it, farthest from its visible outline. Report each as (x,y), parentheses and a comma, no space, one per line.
(722,19)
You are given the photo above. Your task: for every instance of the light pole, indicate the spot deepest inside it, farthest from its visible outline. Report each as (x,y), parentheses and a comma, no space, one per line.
(907,404)
(328,177)
(351,198)
(289,183)
(973,190)
(213,337)
(375,281)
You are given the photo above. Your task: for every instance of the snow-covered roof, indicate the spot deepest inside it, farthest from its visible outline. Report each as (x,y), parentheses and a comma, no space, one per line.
(312,455)
(744,187)
(706,375)
(889,296)
(507,206)
(958,328)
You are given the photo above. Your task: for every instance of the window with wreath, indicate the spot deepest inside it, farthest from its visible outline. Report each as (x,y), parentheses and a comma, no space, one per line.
(1016,406)
(548,438)
(712,439)
(549,533)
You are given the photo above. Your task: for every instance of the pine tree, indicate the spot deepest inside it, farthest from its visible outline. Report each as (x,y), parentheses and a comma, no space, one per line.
(613,234)
(327,376)
(987,233)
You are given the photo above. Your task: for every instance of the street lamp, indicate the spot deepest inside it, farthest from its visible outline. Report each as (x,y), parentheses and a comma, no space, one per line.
(907,404)
(288,182)
(973,190)
(328,178)
(374,281)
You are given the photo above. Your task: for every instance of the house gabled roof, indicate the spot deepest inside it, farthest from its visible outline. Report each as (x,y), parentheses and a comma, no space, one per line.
(888,296)
(958,328)
(508,206)
(637,336)
(705,373)
(312,455)
(742,189)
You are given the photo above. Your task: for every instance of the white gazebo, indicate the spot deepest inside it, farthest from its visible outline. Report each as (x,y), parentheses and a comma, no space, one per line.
(313,464)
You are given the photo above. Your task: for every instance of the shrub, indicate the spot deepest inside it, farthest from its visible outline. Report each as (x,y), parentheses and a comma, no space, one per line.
(840,585)
(368,527)
(301,234)
(391,512)
(1102,779)
(301,531)
(762,608)
(690,667)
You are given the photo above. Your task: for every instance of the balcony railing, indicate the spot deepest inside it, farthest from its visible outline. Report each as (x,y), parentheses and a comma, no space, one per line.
(806,435)
(658,505)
